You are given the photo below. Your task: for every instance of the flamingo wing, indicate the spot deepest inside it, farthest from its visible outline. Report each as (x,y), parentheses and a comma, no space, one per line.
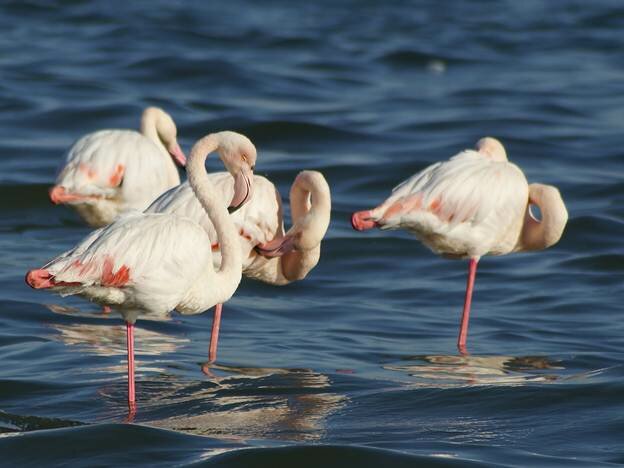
(120,165)
(454,197)
(257,221)
(148,260)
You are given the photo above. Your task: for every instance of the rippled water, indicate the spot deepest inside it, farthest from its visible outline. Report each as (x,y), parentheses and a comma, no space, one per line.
(355,366)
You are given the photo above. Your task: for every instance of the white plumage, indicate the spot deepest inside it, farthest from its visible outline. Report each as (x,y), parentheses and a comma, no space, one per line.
(146,263)
(476,203)
(468,206)
(257,221)
(261,221)
(113,171)
(267,252)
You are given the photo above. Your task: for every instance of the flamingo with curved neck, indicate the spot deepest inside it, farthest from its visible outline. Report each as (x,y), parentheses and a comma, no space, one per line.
(109,172)
(268,253)
(475,204)
(290,256)
(146,263)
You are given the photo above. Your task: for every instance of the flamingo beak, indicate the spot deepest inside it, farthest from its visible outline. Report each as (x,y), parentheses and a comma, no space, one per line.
(177,154)
(58,195)
(277,247)
(243,189)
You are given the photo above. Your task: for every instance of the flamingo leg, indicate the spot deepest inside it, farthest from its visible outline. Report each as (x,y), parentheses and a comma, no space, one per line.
(214,335)
(130,342)
(463,328)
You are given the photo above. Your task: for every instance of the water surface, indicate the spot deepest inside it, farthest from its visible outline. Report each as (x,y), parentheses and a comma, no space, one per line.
(356,364)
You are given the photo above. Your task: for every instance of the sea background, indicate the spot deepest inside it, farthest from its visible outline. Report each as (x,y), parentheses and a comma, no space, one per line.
(356,365)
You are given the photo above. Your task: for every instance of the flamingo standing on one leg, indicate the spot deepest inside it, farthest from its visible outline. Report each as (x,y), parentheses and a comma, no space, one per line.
(146,263)
(112,171)
(268,253)
(477,203)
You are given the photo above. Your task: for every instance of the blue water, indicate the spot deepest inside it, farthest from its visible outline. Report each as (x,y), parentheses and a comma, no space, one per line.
(356,365)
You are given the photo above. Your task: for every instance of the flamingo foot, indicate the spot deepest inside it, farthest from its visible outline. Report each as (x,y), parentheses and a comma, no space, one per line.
(132,410)
(205,368)
(361,220)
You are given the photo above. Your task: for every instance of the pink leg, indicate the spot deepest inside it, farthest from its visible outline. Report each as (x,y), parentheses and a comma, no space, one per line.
(214,336)
(463,330)
(130,341)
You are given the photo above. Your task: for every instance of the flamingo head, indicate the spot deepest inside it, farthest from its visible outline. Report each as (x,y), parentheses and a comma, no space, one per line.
(239,157)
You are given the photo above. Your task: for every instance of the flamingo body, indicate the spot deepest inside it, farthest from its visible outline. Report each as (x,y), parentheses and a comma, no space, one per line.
(466,207)
(257,222)
(475,204)
(146,263)
(168,271)
(261,221)
(110,172)
(268,253)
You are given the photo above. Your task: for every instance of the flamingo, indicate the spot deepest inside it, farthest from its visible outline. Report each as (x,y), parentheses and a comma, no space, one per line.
(110,172)
(477,203)
(268,253)
(151,263)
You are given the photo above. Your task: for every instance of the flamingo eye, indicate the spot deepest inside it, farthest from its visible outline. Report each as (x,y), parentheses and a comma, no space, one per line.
(253,168)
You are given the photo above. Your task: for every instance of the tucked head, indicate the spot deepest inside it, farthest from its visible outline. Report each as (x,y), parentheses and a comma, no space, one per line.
(156,119)
(239,157)
(492,148)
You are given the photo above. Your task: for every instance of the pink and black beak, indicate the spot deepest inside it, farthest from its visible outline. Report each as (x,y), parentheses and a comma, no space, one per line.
(177,155)
(277,247)
(243,189)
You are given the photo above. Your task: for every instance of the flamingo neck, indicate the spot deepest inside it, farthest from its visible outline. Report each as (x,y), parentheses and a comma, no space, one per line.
(228,276)
(541,234)
(310,207)
(149,126)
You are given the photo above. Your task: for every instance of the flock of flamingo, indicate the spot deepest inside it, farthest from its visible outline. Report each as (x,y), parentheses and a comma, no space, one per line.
(162,245)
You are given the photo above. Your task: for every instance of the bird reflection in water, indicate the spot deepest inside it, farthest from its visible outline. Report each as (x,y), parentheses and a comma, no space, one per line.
(250,403)
(235,403)
(464,369)
(108,339)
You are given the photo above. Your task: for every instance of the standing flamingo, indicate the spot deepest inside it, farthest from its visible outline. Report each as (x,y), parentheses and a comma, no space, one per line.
(268,254)
(477,203)
(112,171)
(147,263)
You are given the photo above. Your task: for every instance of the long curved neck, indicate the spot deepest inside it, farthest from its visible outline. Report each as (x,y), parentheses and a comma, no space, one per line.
(538,235)
(310,200)
(149,125)
(229,274)
(310,207)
